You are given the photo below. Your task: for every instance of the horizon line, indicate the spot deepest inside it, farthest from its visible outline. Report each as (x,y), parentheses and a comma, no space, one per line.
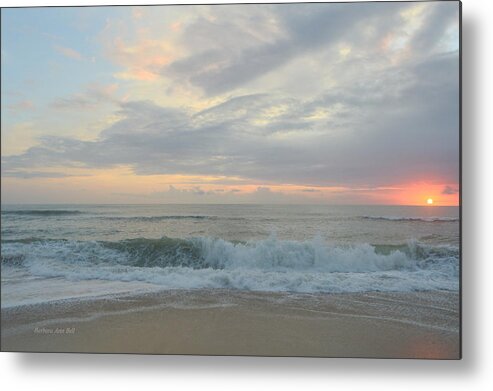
(215,204)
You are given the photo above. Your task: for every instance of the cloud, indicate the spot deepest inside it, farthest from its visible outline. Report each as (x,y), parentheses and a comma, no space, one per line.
(188,195)
(218,50)
(197,194)
(220,62)
(94,95)
(138,12)
(142,59)
(26,174)
(450,190)
(409,139)
(22,105)
(436,21)
(69,52)
(365,119)
(195,190)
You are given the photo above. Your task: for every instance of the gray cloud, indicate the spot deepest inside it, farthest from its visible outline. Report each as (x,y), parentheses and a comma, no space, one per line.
(26,174)
(20,106)
(262,194)
(450,190)
(234,56)
(440,17)
(94,95)
(384,123)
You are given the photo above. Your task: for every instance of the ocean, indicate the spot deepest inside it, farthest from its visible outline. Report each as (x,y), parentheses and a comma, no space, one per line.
(71,252)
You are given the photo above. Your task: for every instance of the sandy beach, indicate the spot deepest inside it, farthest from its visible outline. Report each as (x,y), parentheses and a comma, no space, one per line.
(222,322)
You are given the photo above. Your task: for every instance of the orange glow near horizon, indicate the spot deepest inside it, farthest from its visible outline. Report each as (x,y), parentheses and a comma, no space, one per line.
(423,193)
(123,185)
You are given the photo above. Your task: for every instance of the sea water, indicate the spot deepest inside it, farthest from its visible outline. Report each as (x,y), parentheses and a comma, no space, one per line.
(53,252)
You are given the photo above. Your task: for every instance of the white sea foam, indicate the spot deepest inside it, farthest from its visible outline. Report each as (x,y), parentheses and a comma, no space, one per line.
(431,219)
(264,265)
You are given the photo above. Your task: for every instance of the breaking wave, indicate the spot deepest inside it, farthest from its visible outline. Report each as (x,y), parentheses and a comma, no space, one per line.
(423,219)
(264,265)
(41,212)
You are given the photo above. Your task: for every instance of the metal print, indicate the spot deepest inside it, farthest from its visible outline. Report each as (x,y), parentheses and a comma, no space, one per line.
(241,179)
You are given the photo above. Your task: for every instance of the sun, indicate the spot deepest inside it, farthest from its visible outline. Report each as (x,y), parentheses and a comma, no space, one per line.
(429,201)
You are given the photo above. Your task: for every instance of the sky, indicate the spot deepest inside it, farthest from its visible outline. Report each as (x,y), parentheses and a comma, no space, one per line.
(288,103)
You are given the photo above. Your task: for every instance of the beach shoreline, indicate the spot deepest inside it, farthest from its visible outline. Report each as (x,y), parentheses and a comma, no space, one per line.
(230,322)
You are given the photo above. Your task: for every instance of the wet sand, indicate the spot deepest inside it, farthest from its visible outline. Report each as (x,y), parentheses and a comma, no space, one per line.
(222,322)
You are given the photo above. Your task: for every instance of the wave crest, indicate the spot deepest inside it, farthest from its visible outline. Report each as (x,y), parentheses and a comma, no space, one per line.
(41,212)
(433,219)
(270,264)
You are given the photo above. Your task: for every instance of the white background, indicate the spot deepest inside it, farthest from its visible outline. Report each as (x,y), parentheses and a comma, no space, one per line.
(474,372)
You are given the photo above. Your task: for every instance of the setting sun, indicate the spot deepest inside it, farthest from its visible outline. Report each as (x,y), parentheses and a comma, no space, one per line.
(429,201)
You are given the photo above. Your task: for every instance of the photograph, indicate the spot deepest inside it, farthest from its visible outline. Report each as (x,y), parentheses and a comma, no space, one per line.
(275,179)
